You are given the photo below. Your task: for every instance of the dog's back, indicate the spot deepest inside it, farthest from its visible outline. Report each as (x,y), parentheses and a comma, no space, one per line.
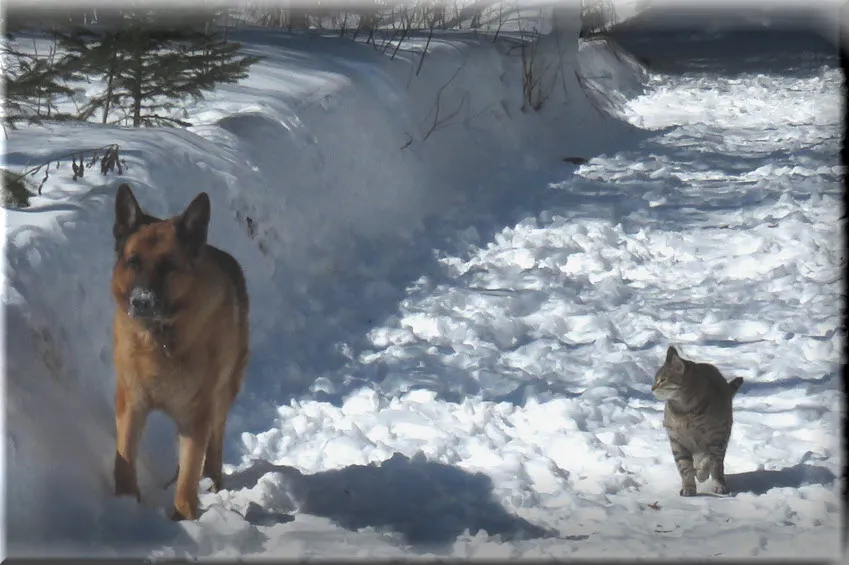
(228,328)
(233,270)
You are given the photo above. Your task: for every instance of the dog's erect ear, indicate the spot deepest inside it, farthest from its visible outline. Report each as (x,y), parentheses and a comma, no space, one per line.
(193,223)
(128,214)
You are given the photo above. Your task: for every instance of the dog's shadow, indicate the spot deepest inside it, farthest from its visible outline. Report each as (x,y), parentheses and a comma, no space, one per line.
(427,503)
(761,481)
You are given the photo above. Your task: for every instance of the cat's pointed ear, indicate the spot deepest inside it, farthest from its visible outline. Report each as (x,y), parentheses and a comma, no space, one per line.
(671,354)
(674,361)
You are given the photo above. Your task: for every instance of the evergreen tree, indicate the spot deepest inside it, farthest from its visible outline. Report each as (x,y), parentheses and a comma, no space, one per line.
(34,83)
(152,62)
(92,54)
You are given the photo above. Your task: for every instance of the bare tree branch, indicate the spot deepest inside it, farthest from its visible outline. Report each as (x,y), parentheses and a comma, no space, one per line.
(440,123)
(429,36)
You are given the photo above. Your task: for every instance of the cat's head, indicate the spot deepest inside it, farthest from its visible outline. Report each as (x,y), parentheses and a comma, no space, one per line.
(670,377)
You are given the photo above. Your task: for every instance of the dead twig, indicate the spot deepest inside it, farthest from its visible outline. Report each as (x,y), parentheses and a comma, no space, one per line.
(110,156)
(437,122)
(586,87)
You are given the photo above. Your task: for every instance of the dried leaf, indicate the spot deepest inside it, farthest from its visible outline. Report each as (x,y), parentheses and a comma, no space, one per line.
(575,160)
(654,506)
(110,158)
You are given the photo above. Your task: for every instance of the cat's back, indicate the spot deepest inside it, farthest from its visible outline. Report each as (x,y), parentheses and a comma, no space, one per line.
(705,399)
(715,384)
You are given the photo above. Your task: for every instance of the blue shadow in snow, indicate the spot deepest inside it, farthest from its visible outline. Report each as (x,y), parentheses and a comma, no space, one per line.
(428,504)
(679,41)
(762,481)
(754,388)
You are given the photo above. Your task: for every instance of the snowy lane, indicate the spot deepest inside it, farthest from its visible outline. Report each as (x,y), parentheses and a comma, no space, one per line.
(722,237)
(453,343)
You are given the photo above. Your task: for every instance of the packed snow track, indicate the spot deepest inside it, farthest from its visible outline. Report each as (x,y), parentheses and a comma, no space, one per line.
(482,389)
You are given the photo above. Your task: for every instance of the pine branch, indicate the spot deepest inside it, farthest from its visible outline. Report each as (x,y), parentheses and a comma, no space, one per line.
(157,118)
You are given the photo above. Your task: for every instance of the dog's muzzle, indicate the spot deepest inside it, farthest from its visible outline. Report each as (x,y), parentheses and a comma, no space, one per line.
(143,304)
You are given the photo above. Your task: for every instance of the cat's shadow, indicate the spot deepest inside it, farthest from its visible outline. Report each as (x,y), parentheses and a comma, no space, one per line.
(761,481)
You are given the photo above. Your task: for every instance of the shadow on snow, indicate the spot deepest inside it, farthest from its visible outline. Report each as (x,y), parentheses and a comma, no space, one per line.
(429,504)
(761,481)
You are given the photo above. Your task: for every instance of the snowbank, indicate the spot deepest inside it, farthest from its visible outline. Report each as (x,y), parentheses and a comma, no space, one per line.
(325,155)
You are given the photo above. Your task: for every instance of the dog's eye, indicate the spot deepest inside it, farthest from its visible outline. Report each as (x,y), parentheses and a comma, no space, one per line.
(167,266)
(134,262)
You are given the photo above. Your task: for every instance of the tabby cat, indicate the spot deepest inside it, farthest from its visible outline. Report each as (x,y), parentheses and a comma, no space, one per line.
(697,418)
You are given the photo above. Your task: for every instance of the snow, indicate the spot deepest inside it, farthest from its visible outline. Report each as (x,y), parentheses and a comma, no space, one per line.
(453,343)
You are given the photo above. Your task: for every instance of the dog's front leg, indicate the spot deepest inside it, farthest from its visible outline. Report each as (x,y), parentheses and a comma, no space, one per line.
(194,438)
(130,417)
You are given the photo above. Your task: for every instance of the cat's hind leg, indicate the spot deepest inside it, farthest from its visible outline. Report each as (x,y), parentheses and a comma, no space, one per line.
(718,472)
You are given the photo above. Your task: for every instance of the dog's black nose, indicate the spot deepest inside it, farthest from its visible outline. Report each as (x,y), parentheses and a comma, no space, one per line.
(142,303)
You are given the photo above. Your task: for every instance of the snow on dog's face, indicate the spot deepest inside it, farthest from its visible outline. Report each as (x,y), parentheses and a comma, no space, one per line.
(668,379)
(155,258)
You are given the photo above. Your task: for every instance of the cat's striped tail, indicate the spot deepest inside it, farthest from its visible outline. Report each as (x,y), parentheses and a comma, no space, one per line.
(735,385)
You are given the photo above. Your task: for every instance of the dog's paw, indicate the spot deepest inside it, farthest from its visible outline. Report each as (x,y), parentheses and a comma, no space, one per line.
(178,516)
(185,510)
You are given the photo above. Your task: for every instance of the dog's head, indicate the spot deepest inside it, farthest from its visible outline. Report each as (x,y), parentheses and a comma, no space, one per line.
(155,259)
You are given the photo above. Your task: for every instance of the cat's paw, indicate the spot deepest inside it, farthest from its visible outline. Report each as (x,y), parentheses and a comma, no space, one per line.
(720,488)
(688,491)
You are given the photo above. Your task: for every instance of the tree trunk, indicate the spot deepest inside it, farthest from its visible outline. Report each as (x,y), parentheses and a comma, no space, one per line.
(110,77)
(137,87)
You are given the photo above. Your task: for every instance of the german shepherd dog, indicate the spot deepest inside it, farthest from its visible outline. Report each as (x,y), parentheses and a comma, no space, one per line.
(180,339)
